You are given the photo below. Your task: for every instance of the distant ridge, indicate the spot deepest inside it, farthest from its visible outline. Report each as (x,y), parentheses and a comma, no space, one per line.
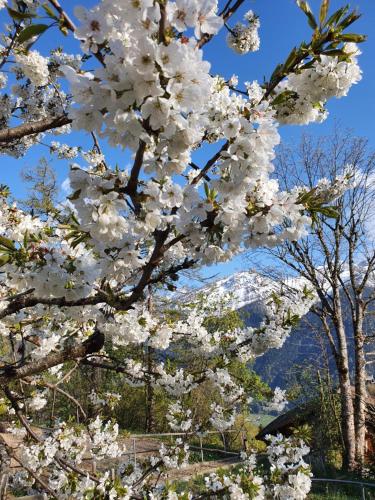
(246,292)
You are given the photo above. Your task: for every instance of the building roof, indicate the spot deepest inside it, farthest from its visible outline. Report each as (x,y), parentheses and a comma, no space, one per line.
(307,413)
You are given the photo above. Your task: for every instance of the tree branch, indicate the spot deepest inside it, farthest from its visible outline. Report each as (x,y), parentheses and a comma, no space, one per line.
(211,162)
(68,22)
(91,345)
(13,134)
(131,188)
(225,15)
(22,302)
(71,26)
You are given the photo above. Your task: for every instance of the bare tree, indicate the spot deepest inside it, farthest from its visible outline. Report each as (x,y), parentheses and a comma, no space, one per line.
(337,258)
(42,187)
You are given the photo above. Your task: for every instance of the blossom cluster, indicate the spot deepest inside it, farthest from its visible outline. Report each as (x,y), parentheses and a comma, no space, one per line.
(306,92)
(35,67)
(37,93)
(178,419)
(243,39)
(77,285)
(67,443)
(286,458)
(289,476)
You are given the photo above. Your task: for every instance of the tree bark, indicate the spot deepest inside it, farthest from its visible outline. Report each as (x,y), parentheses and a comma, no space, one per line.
(13,134)
(150,420)
(360,387)
(347,407)
(91,345)
(4,469)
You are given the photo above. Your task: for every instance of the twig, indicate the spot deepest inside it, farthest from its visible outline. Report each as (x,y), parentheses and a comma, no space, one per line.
(61,461)
(210,163)
(68,22)
(37,478)
(67,395)
(225,15)
(55,388)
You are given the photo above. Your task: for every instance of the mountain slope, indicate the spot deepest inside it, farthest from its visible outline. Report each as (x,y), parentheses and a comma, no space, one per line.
(306,345)
(242,289)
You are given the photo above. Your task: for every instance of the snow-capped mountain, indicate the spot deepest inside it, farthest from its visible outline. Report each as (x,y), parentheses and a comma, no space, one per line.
(248,287)
(241,289)
(246,291)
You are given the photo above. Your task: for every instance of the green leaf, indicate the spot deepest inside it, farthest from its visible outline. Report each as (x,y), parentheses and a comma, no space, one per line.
(276,73)
(25,239)
(350,19)
(80,239)
(308,65)
(283,96)
(332,45)
(352,37)
(19,16)
(330,212)
(4,259)
(336,16)
(291,59)
(305,7)
(323,11)
(335,52)
(7,243)
(31,31)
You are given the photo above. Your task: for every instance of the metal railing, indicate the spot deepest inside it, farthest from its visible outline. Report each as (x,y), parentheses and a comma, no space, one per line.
(360,484)
(199,448)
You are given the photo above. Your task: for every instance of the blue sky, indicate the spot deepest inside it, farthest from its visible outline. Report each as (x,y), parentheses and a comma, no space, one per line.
(283,25)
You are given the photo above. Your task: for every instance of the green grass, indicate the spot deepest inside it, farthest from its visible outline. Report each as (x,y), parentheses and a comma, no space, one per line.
(319,491)
(331,496)
(262,419)
(336,491)
(208,456)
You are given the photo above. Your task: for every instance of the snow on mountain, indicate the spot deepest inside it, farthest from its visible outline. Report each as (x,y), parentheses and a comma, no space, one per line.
(247,287)
(241,289)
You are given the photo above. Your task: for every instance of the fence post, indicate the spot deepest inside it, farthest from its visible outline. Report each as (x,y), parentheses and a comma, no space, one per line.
(363,492)
(201,445)
(135,453)
(224,441)
(244,441)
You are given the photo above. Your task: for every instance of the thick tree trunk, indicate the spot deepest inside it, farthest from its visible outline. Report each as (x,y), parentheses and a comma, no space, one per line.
(149,424)
(150,421)
(360,387)
(347,407)
(4,469)
(347,419)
